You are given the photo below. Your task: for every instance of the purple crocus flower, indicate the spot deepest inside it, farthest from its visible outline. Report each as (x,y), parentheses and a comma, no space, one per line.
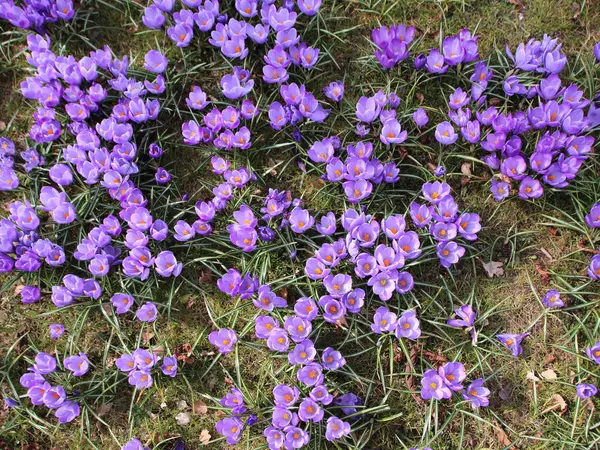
(78,364)
(44,363)
(169,366)
(231,428)
(433,386)
(224,339)
(367,109)
(449,253)
(593,218)
(585,390)
(436,192)
(334,91)
(552,299)
(278,340)
(409,326)
(530,188)
(30,294)
(67,412)
(166,264)
(592,352)
(500,190)
(453,373)
(134,444)
(336,429)
(300,220)
(311,375)
(147,312)
(466,318)
(338,285)
(477,394)
(513,342)
(56,330)
(384,321)
(445,133)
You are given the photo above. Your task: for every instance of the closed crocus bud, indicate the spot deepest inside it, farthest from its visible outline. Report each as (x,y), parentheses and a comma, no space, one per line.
(30,294)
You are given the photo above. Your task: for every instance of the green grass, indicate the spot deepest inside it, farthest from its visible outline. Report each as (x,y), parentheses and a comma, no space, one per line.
(542,245)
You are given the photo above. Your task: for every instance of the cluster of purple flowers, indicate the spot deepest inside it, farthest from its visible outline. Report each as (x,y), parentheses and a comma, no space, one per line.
(405,326)
(458,49)
(233,36)
(34,14)
(298,105)
(392,44)
(8,177)
(445,222)
(221,128)
(559,152)
(369,109)
(358,172)
(74,287)
(382,268)
(539,56)
(41,392)
(21,246)
(231,427)
(139,365)
(123,303)
(447,379)
(593,221)
(83,101)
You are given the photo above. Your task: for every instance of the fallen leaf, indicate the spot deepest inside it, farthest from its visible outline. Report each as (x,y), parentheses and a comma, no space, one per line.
(183,352)
(502,436)
(2,125)
(420,98)
(434,357)
(159,350)
(494,268)
(182,404)
(199,407)
(549,359)
(556,403)
(539,267)
(104,409)
(531,376)
(147,337)
(546,254)
(549,374)
(284,293)
(465,168)
(183,418)
(205,437)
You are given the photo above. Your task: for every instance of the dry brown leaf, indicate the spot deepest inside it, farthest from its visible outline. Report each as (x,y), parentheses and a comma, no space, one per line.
(539,267)
(494,269)
(465,168)
(434,357)
(104,409)
(199,407)
(549,359)
(147,337)
(549,374)
(183,352)
(502,436)
(205,437)
(546,253)
(531,376)
(556,403)
(420,98)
